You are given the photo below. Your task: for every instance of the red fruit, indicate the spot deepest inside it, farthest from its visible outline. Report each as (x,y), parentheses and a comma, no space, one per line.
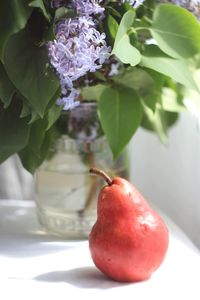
(129,240)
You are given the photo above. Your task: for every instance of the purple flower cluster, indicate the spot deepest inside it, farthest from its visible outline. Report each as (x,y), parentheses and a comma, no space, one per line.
(78,48)
(87,7)
(82,7)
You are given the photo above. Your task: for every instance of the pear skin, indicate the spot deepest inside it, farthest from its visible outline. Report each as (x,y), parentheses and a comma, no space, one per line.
(129,240)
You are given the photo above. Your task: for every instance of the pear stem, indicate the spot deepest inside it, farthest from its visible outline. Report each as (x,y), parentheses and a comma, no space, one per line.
(102,174)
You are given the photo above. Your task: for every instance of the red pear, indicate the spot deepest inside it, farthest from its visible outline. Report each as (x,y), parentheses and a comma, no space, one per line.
(129,240)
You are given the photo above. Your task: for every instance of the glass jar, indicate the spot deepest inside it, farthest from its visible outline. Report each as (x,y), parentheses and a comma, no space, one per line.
(66,194)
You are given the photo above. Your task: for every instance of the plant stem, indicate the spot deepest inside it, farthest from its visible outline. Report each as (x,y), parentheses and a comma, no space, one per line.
(148,20)
(90,198)
(142,28)
(102,174)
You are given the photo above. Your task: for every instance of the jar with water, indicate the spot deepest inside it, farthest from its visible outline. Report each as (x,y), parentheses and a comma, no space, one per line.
(66,194)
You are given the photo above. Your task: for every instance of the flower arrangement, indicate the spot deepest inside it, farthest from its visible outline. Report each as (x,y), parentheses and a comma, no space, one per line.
(138,59)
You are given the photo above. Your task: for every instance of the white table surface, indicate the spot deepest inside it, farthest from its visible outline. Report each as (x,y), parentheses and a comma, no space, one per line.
(34,265)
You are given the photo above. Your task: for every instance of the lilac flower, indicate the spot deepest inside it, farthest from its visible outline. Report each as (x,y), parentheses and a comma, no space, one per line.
(78,48)
(114,69)
(69,101)
(135,3)
(87,7)
(82,7)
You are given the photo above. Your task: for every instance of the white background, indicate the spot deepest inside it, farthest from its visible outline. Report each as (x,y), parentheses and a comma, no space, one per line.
(169,175)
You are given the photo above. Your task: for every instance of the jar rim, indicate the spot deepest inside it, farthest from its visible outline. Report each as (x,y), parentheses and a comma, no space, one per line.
(69,145)
(84,103)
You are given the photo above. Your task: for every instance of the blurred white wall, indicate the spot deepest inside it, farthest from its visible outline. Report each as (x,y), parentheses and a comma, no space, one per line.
(15,182)
(169,176)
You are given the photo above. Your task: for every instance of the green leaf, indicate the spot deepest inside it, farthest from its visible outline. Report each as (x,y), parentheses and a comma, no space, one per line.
(53,115)
(94,92)
(124,7)
(195,61)
(126,23)
(28,68)
(40,136)
(40,4)
(140,81)
(151,100)
(14,15)
(159,79)
(136,79)
(122,46)
(192,98)
(170,101)
(26,110)
(192,103)
(7,89)
(14,132)
(113,11)
(50,110)
(176,31)
(126,52)
(31,155)
(159,121)
(112,26)
(178,70)
(34,117)
(120,114)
